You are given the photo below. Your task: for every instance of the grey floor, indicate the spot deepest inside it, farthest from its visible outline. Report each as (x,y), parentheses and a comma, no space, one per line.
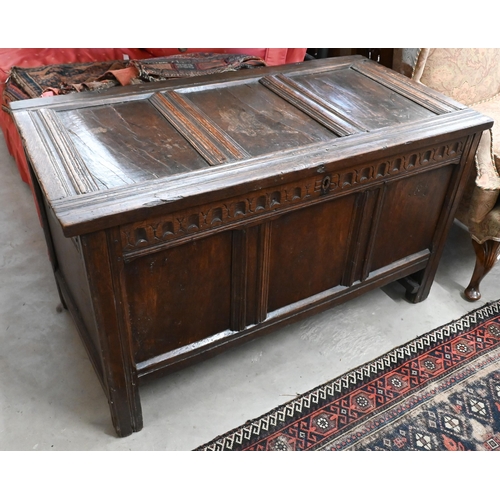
(50,398)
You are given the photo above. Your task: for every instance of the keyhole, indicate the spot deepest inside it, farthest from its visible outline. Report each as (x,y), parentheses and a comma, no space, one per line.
(325,184)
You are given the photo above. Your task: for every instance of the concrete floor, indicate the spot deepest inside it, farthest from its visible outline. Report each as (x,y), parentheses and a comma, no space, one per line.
(50,398)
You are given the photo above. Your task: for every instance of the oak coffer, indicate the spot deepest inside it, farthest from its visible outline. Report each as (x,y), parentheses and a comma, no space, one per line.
(185,216)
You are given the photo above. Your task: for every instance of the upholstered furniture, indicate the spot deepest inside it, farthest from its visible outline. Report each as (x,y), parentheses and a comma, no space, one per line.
(472,77)
(43,57)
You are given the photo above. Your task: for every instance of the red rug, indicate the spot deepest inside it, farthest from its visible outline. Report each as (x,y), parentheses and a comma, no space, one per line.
(440,391)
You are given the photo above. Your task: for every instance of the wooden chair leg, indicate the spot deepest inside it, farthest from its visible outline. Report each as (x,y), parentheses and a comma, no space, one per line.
(487,254)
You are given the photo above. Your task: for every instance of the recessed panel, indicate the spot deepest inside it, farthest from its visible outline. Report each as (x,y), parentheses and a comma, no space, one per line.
(410,214)
(309,251)
(257,119)
(180,295)
(362,99)
(127,143)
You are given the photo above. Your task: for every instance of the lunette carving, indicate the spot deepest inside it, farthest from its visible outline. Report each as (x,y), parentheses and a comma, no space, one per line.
(184,224)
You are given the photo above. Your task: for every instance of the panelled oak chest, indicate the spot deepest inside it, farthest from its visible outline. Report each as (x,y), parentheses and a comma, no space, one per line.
(186,216)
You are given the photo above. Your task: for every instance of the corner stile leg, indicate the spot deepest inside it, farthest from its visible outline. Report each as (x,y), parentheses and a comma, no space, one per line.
(457,187)
(120,374)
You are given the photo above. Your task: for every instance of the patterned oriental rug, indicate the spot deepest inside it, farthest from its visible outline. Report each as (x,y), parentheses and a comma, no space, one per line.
(57,79)
(440,391)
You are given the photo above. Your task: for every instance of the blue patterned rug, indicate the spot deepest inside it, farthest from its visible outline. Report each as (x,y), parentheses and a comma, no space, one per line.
(440,391)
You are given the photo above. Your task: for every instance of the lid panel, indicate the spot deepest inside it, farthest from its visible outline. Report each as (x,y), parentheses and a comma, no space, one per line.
(363,99)
(257,119)
(102,159)
(127,143)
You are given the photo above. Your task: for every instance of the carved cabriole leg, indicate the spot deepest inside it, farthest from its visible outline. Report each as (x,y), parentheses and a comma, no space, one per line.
(487,254)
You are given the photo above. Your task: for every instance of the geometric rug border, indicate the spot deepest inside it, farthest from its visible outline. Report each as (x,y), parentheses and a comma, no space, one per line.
(257,429)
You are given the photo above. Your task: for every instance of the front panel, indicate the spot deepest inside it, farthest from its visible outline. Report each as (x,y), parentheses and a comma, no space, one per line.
(179,295)
(410,213)
(309,251)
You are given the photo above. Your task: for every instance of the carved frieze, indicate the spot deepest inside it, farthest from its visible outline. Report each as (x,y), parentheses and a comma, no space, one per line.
(183,224)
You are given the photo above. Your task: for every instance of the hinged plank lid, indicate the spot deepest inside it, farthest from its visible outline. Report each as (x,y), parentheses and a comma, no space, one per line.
(105,158)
